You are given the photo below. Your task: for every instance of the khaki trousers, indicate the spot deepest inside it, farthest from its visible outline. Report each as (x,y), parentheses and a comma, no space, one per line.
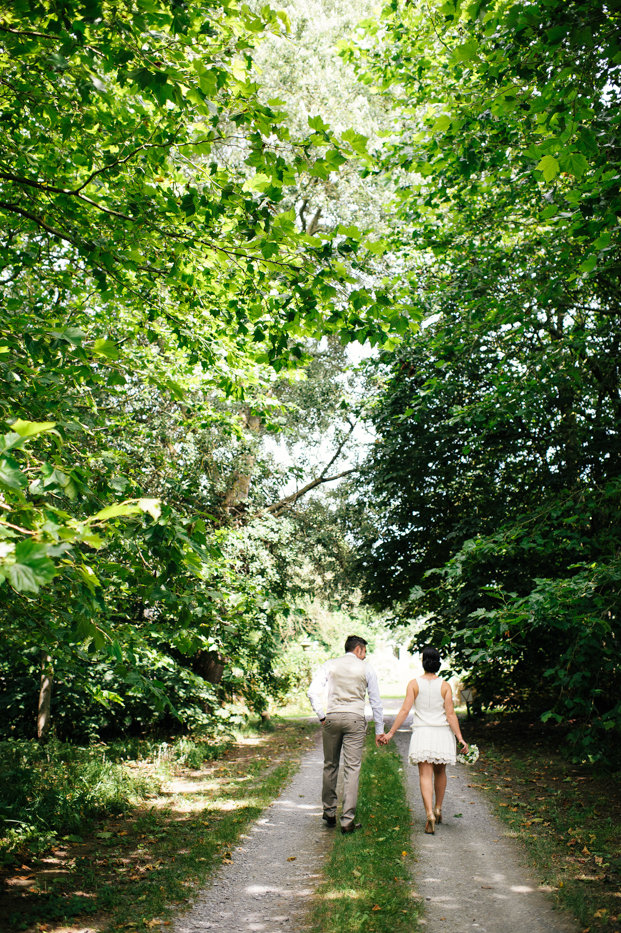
(344,731)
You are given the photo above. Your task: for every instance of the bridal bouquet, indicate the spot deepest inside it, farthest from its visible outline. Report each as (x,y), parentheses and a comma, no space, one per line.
(471,757)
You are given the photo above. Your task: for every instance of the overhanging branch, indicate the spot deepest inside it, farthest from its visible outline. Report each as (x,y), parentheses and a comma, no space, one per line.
(289,501)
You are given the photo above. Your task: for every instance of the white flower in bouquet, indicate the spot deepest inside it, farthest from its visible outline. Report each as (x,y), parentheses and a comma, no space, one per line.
(471,757)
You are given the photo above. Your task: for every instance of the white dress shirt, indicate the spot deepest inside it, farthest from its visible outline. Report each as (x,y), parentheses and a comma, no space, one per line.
(322,677)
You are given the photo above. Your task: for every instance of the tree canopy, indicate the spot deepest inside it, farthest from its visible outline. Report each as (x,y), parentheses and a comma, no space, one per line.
(180,273)
(155,283)
(493,488)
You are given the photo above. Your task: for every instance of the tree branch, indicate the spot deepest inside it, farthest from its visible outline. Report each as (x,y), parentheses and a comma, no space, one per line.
(352,425)
(314,224)
(17,527)
(289,501)
(76,191)
(322,478)
(25,32)
(15,209)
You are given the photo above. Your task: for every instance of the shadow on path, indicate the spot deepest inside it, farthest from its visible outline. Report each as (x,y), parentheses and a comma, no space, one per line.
(471,877)
(275,869)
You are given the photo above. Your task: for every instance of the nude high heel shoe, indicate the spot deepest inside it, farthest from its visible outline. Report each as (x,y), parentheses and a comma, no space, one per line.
(437,812)
(430,825)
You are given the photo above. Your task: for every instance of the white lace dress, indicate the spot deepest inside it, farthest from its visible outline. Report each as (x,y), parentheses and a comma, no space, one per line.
(432,737)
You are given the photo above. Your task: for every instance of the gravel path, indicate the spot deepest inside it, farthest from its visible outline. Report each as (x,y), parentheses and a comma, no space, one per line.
(276,867)
(471,876)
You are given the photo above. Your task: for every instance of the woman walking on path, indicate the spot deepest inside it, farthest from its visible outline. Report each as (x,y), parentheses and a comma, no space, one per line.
(434,729)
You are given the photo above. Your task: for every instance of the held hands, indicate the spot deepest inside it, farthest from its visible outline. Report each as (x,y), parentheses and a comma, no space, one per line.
(383,739)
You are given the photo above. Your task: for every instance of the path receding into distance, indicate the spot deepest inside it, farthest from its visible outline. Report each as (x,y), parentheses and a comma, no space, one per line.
(471,877)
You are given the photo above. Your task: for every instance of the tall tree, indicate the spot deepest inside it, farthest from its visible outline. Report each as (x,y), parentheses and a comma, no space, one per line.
(497,463)
(154,280)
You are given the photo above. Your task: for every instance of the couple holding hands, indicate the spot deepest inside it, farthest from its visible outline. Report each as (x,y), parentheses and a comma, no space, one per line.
(434,729)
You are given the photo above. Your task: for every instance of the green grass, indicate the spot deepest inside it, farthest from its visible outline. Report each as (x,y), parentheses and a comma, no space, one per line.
(46,791)
(50,791)
(568,817)
(368,886)
(142,863)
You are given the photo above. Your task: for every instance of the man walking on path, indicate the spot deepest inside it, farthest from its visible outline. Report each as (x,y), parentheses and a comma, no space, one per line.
(344,726)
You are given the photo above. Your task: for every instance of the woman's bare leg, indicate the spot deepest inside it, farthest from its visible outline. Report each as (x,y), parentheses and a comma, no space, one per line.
(439,774)
(425,773)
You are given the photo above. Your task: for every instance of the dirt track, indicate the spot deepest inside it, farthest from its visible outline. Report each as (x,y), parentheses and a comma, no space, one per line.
(470,875)
(275,870)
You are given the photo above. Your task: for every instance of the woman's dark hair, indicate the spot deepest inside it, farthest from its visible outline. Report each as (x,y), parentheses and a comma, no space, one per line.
(431,660)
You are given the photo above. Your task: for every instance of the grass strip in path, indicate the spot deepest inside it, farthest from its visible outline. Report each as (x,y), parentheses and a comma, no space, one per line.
(567,816)
(368,886)
(133,871)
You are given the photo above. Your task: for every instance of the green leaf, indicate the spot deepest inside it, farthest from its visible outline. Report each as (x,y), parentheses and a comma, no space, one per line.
(115,511)
(73,335)
(284,18)
(357,141)
(32,428)
(574,164)
(442,124)
(316,123)
(106,348)
(466,52)
(32,568)
(377,247)
(115,650)
(93,540)
(259,182)
(603,239)
(176,389)
(238,69)
(89,576)
(588,264)
(152,506)
(10,474)
(549,166)
(11,441)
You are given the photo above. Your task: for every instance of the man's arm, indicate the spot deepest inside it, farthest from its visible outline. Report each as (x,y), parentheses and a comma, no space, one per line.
(375,701)
(316,689)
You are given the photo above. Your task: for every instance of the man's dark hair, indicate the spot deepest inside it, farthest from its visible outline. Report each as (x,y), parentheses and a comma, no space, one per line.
(354,641)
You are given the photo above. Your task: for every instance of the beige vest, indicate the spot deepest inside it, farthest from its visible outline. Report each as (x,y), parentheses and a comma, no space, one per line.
(347,685)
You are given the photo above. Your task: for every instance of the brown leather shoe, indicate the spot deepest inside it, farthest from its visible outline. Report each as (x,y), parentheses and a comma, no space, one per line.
(351,828)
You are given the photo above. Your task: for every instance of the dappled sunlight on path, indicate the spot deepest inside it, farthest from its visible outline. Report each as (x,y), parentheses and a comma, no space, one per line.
(273,873)
(469,875)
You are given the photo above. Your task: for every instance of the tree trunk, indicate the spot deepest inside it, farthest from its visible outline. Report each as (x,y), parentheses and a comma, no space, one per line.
(210,666)
(45,697)
(239,489)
